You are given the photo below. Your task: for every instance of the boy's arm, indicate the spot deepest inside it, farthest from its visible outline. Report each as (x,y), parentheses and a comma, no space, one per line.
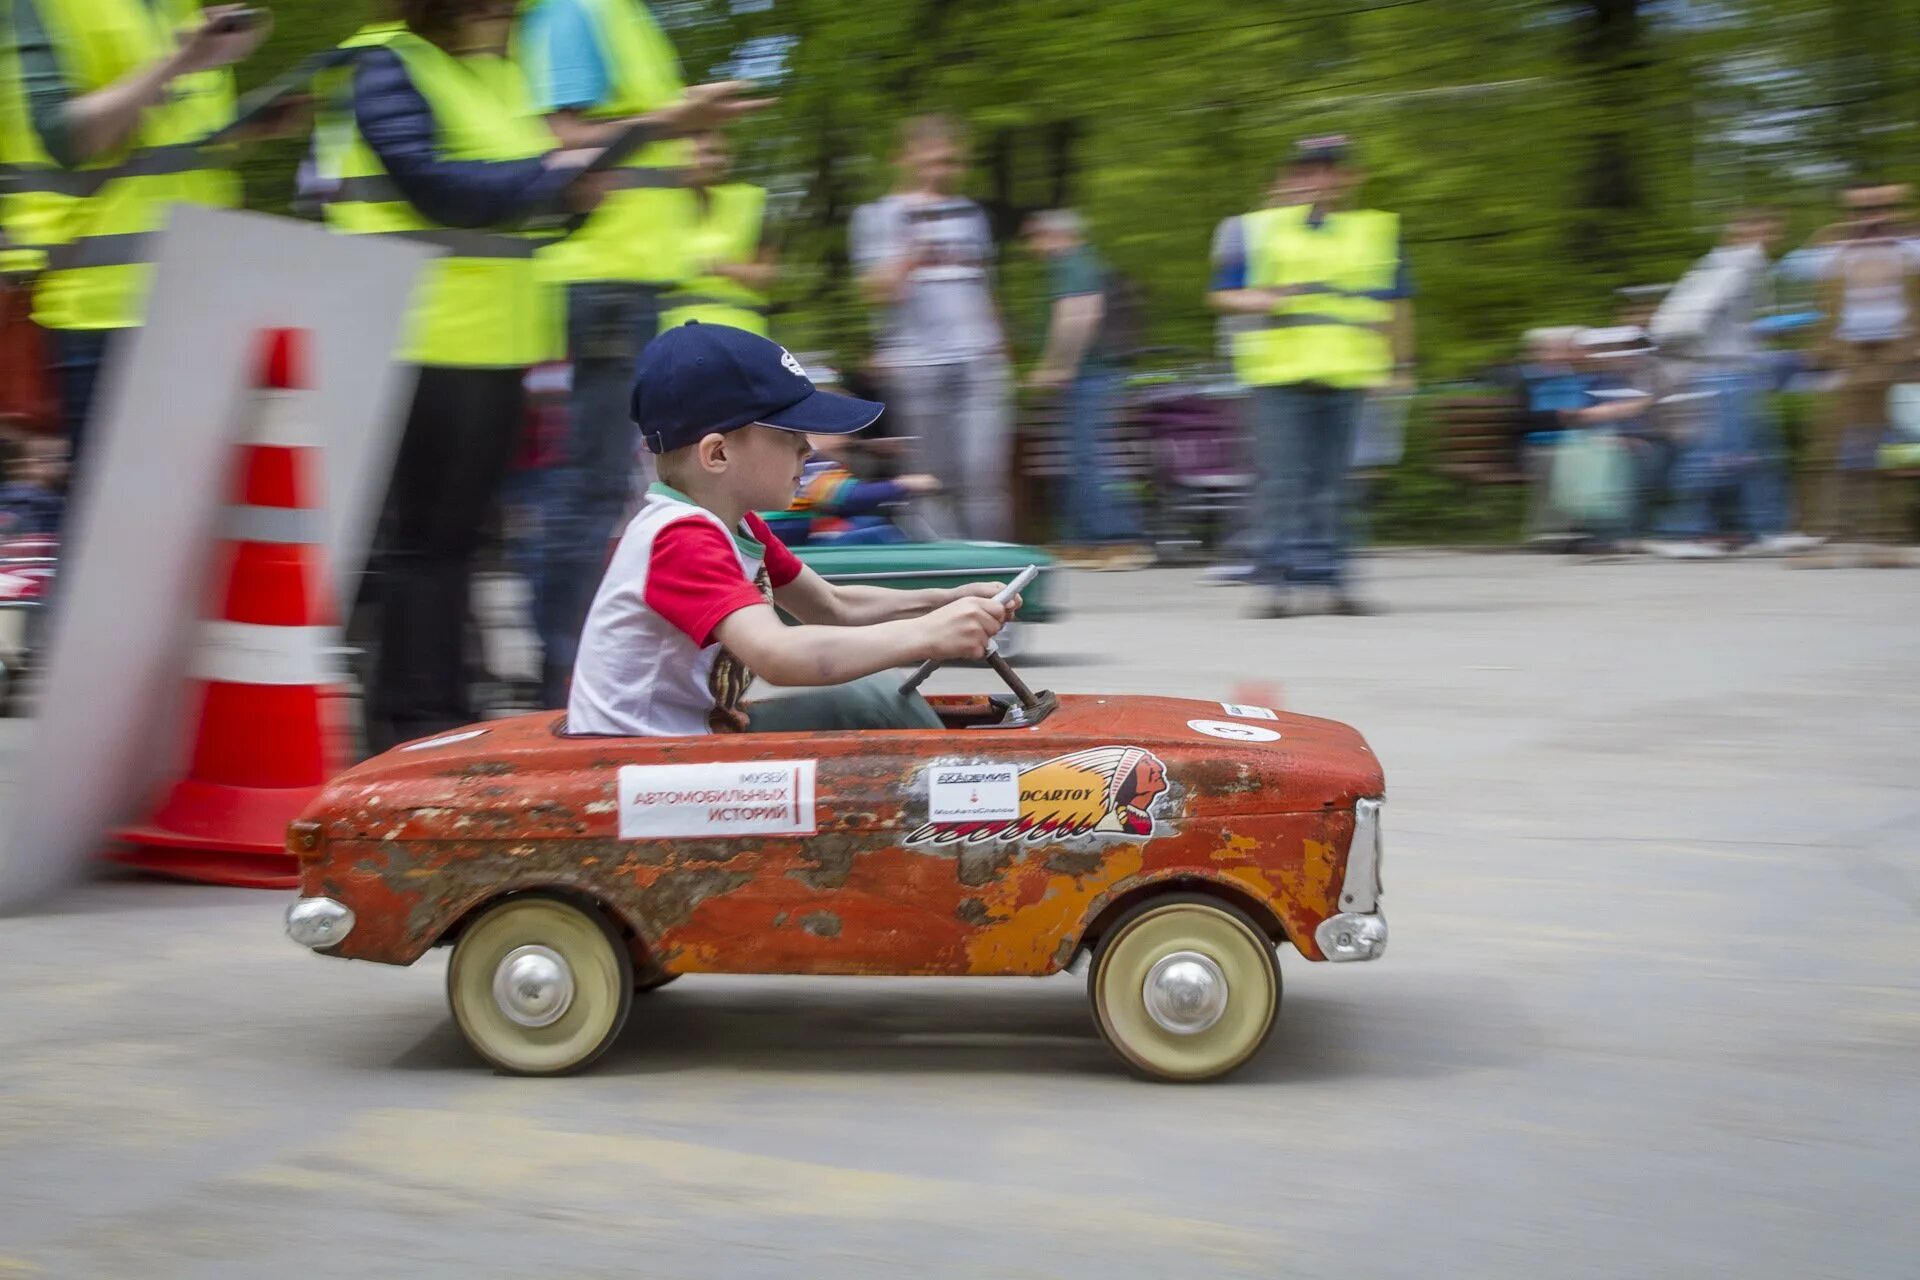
(812,599)
(805,656)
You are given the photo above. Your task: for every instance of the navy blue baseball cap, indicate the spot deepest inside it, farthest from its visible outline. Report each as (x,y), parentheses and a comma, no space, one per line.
(695,379)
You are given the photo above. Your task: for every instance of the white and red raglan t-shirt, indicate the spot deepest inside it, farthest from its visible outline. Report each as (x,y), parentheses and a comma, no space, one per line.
(648,664)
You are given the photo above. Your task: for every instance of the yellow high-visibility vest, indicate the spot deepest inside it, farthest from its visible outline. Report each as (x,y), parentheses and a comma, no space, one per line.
(96,222)
(1336,332)
(639,232)
(485,304)
(727,230)
(31,217)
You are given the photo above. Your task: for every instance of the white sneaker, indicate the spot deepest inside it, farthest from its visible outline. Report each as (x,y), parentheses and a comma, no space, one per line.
(1784,544)
(1226,575)
(1687,550)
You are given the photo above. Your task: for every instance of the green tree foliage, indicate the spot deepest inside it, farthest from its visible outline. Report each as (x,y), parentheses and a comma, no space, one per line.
(1542,153)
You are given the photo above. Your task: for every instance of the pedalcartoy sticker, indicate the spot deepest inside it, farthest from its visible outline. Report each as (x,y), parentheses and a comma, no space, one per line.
(751,798)
(1100,791)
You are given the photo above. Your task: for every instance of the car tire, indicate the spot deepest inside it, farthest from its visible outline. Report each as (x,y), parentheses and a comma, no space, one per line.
(1215,995)
(573,1003)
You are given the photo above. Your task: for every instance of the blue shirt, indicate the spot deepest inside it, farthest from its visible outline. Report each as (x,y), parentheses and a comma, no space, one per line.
(1230,261)
(568,46)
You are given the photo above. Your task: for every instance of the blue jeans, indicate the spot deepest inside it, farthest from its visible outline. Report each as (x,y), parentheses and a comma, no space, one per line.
(861,531)
(1732,457)
(1302,444)
(607,325)
(1100,507)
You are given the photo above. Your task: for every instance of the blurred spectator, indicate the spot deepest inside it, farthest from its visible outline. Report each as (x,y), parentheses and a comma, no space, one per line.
(598,67)
(1613,452)
(924,254)
(1330,286)
(1552,385)
(1729,456)
(436,140)
(31,500)
(104,144)
(1868,271)
(1100,523)
(731,253)
(835,504)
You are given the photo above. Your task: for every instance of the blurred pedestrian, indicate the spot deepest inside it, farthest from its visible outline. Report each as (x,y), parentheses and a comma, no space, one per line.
(108,105)
(1100,523)
(1727,483)
(430,135)
(729,249)
(1331,288)
(1552,385)
(1868,269)
(925,255)
(596,67)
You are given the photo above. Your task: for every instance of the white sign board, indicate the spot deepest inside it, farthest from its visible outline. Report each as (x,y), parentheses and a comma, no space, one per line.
(973,793)
(753,798)
(173,402)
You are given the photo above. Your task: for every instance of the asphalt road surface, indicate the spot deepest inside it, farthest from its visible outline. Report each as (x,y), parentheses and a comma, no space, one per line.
(1651,1008)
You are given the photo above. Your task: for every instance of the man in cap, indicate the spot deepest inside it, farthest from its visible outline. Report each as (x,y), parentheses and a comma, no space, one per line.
(1328,288)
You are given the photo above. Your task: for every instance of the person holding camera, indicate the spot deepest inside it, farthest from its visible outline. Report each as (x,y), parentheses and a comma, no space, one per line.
(111,112)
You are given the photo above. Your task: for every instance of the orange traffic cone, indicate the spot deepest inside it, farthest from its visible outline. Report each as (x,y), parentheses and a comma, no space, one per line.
(268,733)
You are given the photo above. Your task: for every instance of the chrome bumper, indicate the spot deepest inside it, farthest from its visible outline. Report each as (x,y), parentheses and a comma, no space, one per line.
(319,923)
(1359,930)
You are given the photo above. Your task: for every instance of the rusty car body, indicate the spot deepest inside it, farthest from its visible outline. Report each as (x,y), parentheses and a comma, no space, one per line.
(1172,844)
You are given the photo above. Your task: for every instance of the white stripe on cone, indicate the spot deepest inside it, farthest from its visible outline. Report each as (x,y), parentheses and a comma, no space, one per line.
(279,420)
(254,653)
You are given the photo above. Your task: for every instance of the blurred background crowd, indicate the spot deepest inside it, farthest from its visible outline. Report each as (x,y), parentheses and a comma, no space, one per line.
(1138,282)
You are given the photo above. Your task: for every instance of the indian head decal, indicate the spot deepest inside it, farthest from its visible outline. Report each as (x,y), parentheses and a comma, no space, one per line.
(1099,791)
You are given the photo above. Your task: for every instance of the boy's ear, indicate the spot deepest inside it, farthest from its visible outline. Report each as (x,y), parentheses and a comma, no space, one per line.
(711,452)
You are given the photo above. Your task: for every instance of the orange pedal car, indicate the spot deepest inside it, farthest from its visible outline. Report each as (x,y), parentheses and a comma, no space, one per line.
(1171,844)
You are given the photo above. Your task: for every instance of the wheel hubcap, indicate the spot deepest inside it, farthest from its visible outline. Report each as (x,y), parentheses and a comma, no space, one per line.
(1185,993)
(533,986)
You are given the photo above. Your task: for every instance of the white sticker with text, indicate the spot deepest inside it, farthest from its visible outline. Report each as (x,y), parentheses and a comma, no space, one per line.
(973,793)
(1233,732)
(1249,713)
(752,798)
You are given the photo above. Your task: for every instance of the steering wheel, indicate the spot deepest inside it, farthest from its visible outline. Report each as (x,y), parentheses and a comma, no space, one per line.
(994,659)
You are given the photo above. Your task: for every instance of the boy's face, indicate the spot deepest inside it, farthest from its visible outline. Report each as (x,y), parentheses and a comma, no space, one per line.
(764,466)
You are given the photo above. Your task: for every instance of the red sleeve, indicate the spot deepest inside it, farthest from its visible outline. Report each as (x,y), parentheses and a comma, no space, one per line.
(693,578)
(782,565)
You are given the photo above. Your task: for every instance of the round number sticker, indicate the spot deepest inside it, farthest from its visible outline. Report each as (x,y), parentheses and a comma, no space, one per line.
(1233,732)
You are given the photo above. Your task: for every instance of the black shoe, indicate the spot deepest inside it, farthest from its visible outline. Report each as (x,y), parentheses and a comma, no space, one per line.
(1276,605)
(1347,605)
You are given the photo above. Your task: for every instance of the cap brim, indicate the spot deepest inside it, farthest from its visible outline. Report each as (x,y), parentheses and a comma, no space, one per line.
(824,413)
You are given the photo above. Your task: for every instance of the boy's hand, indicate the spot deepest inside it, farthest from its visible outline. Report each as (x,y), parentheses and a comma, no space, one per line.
(960,630)
(918,483)
(986,591)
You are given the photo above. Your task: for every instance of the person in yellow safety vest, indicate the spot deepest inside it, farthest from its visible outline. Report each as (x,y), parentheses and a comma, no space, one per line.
(733,258)
(107,103)
(427,134)
(594,66)
(1328,287)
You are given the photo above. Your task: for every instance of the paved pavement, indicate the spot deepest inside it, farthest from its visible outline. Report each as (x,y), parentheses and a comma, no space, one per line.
(1652,1007)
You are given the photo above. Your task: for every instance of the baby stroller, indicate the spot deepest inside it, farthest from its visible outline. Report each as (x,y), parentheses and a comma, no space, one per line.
(1201,475)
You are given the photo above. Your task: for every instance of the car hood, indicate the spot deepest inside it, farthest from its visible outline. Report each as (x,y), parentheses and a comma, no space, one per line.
(515,777)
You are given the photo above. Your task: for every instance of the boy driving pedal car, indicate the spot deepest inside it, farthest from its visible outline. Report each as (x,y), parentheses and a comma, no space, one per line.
(684,617)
